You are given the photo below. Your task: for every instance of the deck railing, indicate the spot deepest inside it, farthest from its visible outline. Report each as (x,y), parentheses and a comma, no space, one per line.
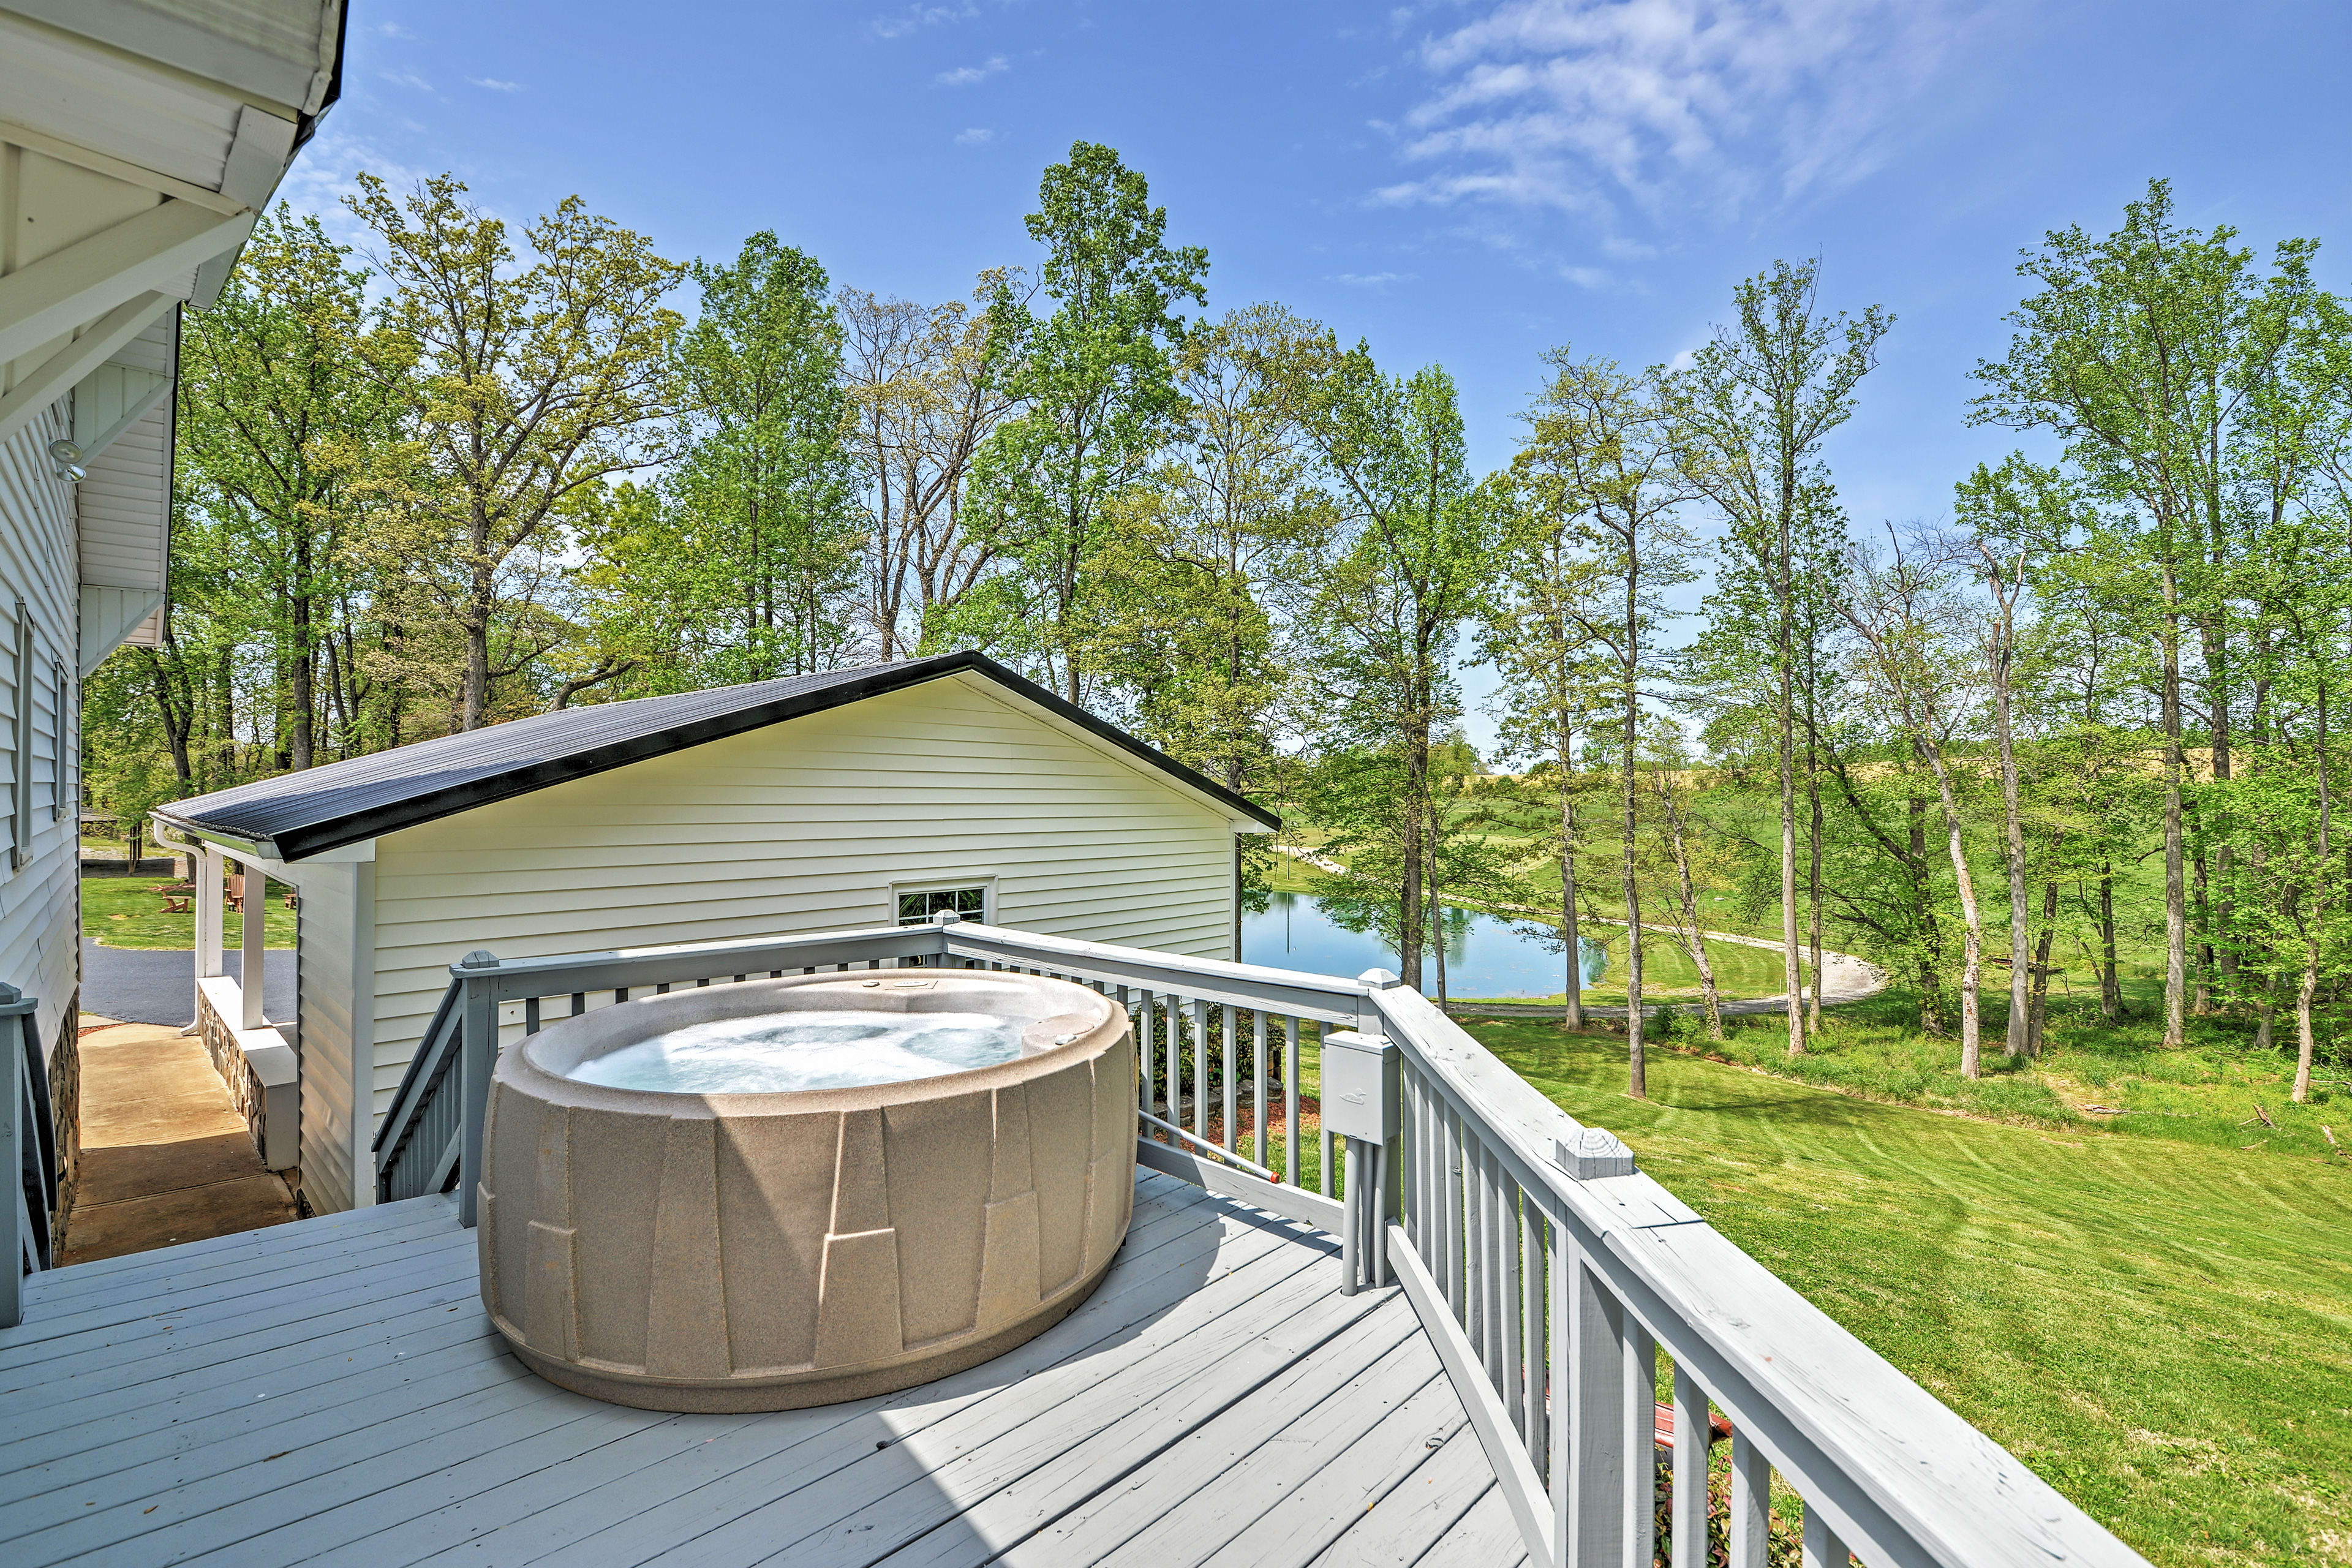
(1551,1275)
(27,1148)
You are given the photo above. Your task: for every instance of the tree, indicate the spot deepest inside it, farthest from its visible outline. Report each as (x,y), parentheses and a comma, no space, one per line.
(923,402)
(1531,630)
(1751,413)
(2129,354)
(1913,656)
(286,394)
(2012,512)
(532,381)
(1600,448)
(764,487)
(1093,390)
(1405,568)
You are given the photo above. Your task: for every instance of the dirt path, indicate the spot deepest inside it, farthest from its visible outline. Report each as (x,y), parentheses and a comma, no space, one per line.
(165,1157)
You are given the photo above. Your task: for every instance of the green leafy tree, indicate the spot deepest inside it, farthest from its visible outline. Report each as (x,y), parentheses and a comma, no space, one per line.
(1095,397)
(1752,411)
(533,379)
(1601,449)
(1406,566)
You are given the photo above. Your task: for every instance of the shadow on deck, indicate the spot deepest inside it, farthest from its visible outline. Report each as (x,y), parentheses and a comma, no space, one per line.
(330,1391)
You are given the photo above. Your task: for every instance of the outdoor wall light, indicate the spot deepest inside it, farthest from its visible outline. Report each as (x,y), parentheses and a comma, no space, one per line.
(68,458)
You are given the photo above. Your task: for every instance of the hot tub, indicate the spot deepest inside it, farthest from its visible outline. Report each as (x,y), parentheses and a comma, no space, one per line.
(700,1201)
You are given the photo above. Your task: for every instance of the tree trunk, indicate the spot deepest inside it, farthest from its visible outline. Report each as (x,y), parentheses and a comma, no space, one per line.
(1410,917)
(2175,891)
(2019,1024)
(1790,959)
(2038,1008)
(1573,1017)
(1814,897)
(2303,1030)
(1972,948)
(1711,998)
(2111,983)
(1638,1076)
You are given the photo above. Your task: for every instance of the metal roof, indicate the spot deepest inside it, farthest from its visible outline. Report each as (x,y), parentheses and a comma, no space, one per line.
(304,814)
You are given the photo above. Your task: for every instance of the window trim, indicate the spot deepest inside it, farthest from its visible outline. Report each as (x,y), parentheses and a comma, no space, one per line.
(57,771)
(986,886)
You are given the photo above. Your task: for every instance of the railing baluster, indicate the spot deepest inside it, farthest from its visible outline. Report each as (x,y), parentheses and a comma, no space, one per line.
(1690,1471)
(1512,1385)
(1322,1133)
(580,1001)
(1290,1100)
(1640,1374)
(1260,1150)
(1499,1292)
(1227,1055)
(1199,1069)
(1596,1432)
(1533,1363)
(1146,1086)
(1451,1202)
(1752,1501)
(1173,1012)
(1822,1549)
(530,1015)
(620,994)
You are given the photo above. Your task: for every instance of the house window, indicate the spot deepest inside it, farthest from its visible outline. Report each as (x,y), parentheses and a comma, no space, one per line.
(917,905)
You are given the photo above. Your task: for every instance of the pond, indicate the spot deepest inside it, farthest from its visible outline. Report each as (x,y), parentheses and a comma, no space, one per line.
(1485,955)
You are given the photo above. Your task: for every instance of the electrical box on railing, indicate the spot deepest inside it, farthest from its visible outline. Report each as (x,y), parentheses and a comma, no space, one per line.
(1359,1087)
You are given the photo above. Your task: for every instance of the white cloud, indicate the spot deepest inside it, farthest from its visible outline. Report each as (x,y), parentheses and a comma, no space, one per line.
(1610,108)
(966,76)
(975,136)
(917,17)
(494,84)
(393,30)
(407,78)
(1378,281)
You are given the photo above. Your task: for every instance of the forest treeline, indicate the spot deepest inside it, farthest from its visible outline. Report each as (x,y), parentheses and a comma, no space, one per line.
(464,472)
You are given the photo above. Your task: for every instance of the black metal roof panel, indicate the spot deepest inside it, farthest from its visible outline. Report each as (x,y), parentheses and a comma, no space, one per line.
(318,809)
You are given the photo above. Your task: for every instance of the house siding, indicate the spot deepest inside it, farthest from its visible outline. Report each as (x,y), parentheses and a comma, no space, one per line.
(334,941)
(40,902)
(802,827)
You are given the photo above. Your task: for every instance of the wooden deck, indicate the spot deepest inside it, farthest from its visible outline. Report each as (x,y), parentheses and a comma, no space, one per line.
(330,1392)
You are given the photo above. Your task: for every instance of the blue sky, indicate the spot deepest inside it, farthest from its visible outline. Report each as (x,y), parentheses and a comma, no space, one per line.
(1464,182)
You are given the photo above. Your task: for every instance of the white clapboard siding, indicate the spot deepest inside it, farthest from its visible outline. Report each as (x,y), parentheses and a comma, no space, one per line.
(39,903)
(801,827)
(335,934)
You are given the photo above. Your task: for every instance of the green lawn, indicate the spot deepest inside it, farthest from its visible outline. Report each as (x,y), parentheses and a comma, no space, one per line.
(126,912)
(2158,1321)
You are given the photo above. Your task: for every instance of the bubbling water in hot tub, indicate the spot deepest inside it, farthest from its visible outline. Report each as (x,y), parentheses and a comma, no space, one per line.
(779,1053)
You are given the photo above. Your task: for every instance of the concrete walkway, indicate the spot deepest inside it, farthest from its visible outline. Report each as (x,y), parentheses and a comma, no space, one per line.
(164,1157)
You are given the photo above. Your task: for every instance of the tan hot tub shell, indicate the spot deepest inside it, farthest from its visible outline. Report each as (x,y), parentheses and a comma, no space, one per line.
(768,1251)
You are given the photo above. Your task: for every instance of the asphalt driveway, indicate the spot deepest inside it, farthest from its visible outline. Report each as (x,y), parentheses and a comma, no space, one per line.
(158,985)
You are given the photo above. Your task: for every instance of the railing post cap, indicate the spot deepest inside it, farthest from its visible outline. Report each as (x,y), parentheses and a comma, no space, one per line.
(1595,1152)
(945,918)
(1378,979)
(9,993)
(480,958)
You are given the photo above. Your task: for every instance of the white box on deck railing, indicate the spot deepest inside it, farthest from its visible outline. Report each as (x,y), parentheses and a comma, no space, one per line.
(1359,1087)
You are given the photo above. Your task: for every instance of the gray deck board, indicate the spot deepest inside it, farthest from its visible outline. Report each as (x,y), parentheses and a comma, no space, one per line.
(330,1393)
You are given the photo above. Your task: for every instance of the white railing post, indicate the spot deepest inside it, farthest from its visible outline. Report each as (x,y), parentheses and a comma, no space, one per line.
(1592,1334)
(204,869)
(18,1229)
(1691,1429)
(255,919)
(477,1055)
(1360,1104)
